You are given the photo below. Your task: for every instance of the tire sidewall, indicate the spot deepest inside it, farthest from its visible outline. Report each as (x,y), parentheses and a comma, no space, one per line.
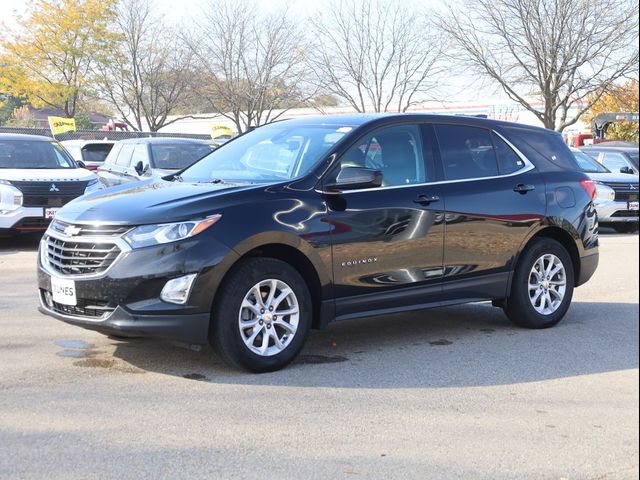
(225,333)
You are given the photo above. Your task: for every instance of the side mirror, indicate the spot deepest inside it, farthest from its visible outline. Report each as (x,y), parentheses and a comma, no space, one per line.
(355,177)
(626,170)
(81,164)
(140,168)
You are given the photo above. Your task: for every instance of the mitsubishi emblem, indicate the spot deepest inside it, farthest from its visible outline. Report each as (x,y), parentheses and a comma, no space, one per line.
(633,187)
(53,188)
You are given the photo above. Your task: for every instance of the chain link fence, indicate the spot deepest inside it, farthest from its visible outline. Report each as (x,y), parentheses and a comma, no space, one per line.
(99,134)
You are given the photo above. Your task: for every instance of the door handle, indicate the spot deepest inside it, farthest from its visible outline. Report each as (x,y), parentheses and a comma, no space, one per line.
(426,200)
(521,188)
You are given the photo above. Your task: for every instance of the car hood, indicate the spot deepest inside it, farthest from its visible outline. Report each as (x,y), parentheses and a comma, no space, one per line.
(46,174)
(614,178)
(149,201)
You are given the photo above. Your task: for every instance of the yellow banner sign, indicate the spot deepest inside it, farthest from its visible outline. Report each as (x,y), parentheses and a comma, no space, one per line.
(218,130)
(61,125)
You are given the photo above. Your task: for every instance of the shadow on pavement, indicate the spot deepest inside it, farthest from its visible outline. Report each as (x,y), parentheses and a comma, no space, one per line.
(26,242)
(470,345)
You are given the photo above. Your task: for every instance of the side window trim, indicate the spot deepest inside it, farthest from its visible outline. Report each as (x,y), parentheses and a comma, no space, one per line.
(528,166)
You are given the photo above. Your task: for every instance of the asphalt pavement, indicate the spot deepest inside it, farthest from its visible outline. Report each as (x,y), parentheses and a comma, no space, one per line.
(445,393)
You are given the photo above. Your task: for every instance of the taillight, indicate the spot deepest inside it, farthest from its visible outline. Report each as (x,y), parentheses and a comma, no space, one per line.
(589,187)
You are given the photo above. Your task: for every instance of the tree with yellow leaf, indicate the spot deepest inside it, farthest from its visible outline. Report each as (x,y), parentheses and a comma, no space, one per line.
(48,58)
(621,98)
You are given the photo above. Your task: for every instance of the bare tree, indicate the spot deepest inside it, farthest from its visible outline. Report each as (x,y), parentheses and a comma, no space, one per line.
(252,62)
(144,75)
(376,55)
(568,52)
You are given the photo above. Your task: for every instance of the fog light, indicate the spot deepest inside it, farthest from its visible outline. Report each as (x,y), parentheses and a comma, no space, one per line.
(178,289)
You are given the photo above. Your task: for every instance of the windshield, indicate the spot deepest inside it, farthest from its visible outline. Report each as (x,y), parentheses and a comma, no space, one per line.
(588,164)
(275,152)
(29,154)
(179,155)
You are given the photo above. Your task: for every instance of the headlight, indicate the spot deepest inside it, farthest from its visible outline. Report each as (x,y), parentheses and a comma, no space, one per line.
(604,193)
(10,197)
(92,186)
(147,235)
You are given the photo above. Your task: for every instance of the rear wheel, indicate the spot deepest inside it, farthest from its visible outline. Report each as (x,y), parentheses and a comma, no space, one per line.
(542,285)
(263,315)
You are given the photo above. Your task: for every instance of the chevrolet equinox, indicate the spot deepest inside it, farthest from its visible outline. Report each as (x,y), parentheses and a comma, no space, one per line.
(303,222)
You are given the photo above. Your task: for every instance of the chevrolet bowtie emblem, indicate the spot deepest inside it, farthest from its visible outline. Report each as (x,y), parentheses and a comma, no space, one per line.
(70,231)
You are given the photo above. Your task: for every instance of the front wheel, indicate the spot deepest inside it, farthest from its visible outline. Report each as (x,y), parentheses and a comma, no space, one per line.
(542,285)
(263,315)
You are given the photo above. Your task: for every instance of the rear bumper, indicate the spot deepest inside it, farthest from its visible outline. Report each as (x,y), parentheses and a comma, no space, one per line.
(588,266)
(187,328)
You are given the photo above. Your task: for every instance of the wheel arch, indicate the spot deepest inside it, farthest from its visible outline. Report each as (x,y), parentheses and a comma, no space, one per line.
(560,235)
(297,253)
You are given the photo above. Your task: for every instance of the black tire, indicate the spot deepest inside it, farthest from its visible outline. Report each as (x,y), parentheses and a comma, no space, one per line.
(625,227)
(224,334)
(518,306)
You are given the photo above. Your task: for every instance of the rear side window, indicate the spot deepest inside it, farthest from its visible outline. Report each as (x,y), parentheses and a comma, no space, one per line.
(96,152)
(125,155)
(545,143)
(466,152)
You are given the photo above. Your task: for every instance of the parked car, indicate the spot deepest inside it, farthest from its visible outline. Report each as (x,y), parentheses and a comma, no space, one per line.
(90,153)
(617,194)
(37,177)
(616,159)
(306,221)
(138,158)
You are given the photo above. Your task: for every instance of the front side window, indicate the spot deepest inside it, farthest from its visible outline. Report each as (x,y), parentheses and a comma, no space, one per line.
(276,152)
(466,152)
(29,154)
(139,155)
(396,151)
(613,161)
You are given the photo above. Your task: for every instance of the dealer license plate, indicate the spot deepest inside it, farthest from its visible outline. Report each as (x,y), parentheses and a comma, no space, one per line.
(64,291)
(632,205)
(50,212)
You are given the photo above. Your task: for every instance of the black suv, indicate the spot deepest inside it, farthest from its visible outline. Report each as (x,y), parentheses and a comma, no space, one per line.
(307,221)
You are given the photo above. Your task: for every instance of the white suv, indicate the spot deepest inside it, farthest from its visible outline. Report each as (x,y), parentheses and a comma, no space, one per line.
(37,177)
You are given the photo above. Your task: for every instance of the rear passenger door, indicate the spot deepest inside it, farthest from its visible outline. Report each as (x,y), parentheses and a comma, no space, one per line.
(494,198)
(106,170)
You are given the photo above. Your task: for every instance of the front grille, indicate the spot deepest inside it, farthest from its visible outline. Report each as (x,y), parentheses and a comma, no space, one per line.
(90,230)
(77,257)
(625,192)
(625,213)
(50,193)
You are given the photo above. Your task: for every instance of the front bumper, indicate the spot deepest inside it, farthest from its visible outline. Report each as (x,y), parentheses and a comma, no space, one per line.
(24,218)
(125,299)
(615,212)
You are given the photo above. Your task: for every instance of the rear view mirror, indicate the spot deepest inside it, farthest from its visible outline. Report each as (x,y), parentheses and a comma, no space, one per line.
(355,177)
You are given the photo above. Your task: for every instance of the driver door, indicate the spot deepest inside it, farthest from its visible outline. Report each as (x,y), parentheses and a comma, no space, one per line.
(387,242)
